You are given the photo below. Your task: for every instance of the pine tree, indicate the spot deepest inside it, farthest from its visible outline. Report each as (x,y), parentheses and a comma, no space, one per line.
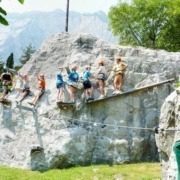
(10,61)
(1,66)
(27,53)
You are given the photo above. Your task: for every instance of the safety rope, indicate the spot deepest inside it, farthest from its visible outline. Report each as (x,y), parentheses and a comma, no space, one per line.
(154,129)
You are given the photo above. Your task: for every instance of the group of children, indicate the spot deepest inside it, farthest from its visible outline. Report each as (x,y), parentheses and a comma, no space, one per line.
(72,84)
(7,83)
(100,76)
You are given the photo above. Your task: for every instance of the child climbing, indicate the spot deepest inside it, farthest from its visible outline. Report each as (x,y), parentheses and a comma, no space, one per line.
(87,83)
(6,79)
(72,82)
(101,78)
(118,72)
(25,90)
(60,85)
(41,89)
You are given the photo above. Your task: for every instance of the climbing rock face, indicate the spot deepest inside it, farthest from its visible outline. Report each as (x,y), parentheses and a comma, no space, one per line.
(169,121)
(97,132)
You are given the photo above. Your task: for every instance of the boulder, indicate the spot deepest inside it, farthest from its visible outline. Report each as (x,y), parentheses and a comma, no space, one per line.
(169,134)
(99,132)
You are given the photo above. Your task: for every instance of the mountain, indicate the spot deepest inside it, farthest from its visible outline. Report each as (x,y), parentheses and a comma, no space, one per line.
(35,27)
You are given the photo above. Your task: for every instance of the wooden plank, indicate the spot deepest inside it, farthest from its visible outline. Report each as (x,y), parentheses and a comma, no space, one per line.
(132,91)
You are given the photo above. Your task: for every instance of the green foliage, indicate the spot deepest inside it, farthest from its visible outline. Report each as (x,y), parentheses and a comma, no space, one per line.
(21,1)
(2,19)
(10,61)
(27,53)
(3,14)
(149,23)
(140,171)
(1,67)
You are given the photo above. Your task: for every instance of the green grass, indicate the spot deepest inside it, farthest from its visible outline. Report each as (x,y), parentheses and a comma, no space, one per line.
(141,171)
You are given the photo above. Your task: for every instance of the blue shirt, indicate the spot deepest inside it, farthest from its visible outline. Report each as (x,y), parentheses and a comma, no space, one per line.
(59,79)
(86,75)
(73,76)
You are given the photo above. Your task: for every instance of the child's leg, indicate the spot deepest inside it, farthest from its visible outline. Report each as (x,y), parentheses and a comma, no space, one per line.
(24,95)
(86,93)
(72,91)
(101,87)
(58,93)
(120,81)
(39,94)
(5,92)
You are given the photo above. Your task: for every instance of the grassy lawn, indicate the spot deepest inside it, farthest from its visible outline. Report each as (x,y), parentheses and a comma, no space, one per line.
(141,171)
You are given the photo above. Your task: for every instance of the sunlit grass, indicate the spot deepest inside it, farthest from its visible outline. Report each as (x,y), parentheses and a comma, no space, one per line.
(141,171)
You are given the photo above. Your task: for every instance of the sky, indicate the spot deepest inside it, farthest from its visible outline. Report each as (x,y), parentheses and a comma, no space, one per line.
(82,6)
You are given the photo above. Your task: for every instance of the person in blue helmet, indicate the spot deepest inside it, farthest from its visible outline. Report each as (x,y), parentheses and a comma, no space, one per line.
(60,85)
(73,78)
(87,83)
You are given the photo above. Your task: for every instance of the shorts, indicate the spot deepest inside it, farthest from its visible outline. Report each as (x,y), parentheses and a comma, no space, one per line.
(26,90)
(121,74)
(87,84)
(101,76)
(59,85)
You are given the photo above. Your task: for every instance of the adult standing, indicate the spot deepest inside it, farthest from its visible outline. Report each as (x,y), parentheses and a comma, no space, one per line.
(118,72)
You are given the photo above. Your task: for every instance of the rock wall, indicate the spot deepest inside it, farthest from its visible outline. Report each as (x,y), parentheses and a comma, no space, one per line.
(54,138)
(169,121)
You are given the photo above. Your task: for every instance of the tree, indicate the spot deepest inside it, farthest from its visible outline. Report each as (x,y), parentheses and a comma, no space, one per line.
(27,53)
(10,61)
(147,23)
(170,35)
(1,66)
(4,13)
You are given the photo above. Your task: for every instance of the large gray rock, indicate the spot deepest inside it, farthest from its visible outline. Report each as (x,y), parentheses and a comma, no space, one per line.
(169,121)
(95,133)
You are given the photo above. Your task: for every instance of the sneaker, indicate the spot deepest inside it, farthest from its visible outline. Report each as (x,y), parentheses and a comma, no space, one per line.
(32,104)
(90,99)
(101,97)
(118,92)
(114,92)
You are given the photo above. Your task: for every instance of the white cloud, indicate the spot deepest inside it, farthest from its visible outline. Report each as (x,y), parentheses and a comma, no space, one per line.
(49,5)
